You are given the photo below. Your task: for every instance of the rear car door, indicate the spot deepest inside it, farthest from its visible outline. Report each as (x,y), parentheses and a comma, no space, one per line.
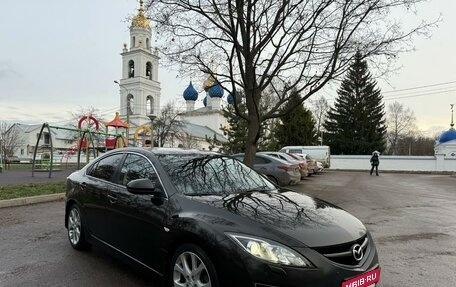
(95,186)
(262,165)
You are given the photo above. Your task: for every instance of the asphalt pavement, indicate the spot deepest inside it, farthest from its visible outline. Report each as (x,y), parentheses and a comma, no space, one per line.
(411,217)
(8,176)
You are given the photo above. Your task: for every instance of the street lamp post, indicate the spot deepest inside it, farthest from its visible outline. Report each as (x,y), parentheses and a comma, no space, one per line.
(1,152)
(128,111)
(128,101)
(151,117)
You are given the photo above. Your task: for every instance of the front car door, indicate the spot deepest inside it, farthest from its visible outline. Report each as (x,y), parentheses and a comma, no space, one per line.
(135,221)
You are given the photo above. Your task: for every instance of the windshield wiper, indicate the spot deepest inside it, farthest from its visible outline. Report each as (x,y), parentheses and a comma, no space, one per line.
(201,194)
(261,189)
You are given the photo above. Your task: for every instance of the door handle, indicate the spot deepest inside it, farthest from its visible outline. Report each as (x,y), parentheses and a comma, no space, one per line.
(112,199)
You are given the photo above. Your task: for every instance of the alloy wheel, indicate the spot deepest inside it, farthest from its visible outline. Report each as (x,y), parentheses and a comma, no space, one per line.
(190,271)
(74,226)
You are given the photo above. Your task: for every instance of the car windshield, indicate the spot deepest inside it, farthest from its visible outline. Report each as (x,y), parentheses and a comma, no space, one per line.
(202,174)
(288,157)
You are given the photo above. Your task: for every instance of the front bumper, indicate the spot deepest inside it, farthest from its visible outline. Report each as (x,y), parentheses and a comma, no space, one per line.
(246,271)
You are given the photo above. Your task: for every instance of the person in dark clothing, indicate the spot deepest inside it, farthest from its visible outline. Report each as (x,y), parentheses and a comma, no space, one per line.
(375,162)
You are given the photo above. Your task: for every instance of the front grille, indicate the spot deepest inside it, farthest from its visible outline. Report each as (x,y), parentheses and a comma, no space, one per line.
(343,253)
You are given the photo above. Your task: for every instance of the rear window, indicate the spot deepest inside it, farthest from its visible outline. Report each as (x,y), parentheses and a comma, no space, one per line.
(105,168)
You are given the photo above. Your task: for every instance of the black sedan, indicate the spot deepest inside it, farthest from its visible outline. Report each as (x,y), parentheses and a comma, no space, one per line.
(204,219)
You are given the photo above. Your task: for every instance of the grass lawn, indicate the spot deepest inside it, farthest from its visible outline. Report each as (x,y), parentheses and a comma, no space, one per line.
(30,189)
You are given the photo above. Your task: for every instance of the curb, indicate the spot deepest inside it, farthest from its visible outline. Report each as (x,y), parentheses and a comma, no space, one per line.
(31,200)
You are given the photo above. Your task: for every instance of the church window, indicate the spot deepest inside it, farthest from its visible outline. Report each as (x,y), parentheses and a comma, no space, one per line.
(130,104)
(149,70)
(150,105)
(131,69)
(133,42)
(47,138)
(147,43)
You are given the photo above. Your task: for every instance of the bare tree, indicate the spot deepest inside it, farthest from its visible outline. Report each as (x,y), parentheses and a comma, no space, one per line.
(400,123)
(319,109)
(86,115)
(168,125)
(187,141)
(87,112)
(283,45)
(10,139)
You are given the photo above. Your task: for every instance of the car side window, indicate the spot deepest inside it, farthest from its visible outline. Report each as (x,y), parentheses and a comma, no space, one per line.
(105,168)
(260,160)
(136,167)
(295,151)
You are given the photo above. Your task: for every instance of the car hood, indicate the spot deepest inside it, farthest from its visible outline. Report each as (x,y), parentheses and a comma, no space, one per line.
(301,219)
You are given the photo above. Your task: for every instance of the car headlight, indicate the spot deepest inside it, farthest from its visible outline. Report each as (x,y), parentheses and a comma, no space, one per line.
(270,250)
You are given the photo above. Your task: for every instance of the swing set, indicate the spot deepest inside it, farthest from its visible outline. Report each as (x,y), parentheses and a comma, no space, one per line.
(85,141)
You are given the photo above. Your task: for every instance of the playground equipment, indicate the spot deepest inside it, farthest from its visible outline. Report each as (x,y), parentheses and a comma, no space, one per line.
(141,136)
(86,141)
(116,141)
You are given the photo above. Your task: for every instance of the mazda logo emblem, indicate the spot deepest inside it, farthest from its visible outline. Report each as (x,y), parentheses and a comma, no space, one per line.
(357,251)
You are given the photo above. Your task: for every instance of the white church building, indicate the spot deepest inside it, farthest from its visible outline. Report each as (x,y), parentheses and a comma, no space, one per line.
(140,92)
(446,144)
(139,85)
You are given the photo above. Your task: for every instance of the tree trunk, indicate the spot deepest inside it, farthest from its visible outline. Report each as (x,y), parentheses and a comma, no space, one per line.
(251,141)
(253,131)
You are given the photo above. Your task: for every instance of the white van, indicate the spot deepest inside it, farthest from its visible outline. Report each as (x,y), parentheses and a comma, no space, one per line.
(320,153)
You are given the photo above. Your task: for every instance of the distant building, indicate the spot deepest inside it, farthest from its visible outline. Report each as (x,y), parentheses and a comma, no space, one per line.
(140,92)
(211,115)
(446,144)
(139,85)
(27,136)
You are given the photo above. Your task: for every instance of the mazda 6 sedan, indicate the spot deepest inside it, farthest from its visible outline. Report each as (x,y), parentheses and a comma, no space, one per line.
(204,219)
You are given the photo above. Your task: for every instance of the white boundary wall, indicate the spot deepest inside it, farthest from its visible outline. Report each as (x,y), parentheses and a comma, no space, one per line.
(395,163)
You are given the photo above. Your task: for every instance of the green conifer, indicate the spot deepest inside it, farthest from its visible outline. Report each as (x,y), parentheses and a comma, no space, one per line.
(356,123)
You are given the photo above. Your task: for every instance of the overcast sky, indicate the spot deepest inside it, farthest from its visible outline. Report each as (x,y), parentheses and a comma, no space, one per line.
(61,56)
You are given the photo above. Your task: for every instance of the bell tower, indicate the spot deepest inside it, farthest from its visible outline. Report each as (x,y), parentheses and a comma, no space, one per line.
(139,86)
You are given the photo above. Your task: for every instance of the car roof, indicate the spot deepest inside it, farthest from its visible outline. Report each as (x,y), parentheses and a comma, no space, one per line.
(272,158)
(164,151)
(278,153)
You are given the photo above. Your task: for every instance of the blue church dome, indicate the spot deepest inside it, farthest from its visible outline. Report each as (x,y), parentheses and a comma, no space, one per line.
(447,136)
(216,91)
(230,99)
(205,101)
(190,94)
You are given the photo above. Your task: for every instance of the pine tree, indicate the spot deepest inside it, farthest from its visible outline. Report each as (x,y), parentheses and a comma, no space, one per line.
(356,123)
(236,132)
(296,127)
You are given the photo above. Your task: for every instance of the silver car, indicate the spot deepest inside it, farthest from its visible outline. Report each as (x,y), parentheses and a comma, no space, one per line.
(277,170)
(301,163)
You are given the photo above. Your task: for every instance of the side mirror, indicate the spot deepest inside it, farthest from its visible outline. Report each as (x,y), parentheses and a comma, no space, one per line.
(143,186)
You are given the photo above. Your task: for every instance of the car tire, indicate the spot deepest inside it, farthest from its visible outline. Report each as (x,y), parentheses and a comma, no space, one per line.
(76,234)
(184,273)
